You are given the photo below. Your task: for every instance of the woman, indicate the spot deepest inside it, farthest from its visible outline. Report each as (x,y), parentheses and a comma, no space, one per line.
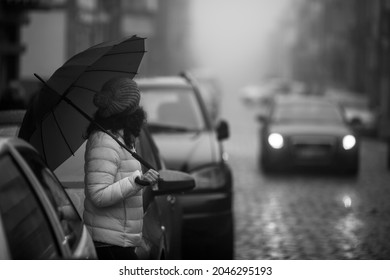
(113,209)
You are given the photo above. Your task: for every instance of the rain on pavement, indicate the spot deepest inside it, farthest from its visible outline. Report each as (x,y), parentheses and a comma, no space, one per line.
(301,216)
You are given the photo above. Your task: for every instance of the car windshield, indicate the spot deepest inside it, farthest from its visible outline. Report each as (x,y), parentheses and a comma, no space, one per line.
(307,112)
(172,110)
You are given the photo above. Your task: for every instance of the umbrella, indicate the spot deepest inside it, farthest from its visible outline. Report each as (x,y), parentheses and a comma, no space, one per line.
(57,118)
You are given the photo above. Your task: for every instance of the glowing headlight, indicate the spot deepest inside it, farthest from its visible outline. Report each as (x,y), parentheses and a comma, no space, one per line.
(275,140)
(349,142)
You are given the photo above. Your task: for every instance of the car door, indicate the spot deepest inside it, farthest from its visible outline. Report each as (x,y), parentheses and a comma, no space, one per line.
(25,222)
(76,237)
(162,220)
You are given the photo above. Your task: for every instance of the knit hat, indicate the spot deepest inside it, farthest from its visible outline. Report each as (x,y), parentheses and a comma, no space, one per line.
(116,96)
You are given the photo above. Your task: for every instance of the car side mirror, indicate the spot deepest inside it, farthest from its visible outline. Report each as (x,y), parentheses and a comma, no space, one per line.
(261,118)
(172,181)
(355,122)
(222,130)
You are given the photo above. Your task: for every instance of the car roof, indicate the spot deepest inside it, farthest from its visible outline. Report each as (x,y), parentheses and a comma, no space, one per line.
(168,81)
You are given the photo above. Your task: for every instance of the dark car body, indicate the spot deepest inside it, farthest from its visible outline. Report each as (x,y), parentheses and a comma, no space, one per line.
(37,218)
(310,133)
(188,142)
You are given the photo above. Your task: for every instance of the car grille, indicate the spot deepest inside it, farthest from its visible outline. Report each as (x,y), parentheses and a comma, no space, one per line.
(313,148)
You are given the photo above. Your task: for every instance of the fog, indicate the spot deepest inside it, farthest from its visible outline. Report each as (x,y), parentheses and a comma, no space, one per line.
(234,38)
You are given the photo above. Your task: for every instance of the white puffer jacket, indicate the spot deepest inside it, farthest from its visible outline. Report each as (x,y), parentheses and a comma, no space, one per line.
(113,209)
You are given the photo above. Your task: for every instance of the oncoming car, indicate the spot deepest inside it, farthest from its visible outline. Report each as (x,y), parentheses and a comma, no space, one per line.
(307,132)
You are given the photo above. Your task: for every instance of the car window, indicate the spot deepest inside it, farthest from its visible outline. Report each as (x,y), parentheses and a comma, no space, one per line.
(316,112)
(172,109)
(9,130)
(26,225)
(66,212)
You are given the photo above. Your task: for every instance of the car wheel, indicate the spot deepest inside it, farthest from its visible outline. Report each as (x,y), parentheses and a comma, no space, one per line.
(227,251)
(212,248)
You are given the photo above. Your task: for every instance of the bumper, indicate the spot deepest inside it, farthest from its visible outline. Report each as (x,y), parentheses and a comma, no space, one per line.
(287,158)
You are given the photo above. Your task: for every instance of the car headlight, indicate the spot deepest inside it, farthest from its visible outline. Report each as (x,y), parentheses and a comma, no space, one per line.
(276,140)
(349,141)
(210,177)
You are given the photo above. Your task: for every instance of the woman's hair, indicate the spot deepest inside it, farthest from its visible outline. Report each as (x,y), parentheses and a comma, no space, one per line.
(130,122)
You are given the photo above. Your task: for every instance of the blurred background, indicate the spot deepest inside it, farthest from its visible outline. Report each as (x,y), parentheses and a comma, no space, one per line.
(333,45)
(245,50)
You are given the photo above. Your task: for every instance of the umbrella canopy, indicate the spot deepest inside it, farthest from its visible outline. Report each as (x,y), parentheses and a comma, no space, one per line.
(58,116)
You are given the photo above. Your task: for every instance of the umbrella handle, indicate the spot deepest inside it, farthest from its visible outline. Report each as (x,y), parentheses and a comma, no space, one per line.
(141,182)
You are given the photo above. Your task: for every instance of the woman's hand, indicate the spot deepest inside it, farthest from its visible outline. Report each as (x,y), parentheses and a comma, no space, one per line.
(151,177)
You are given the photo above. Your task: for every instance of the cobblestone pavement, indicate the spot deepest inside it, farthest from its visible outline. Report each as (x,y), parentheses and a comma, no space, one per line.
(308,217)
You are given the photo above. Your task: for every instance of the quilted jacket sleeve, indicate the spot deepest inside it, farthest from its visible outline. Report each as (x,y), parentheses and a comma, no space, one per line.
(102,161)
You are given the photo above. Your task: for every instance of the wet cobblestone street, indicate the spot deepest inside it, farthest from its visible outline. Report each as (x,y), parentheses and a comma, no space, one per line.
(300,216)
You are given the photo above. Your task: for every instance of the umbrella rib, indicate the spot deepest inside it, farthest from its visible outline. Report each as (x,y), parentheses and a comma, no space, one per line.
(89,89)
(62,133)
(114,71)
(109,54)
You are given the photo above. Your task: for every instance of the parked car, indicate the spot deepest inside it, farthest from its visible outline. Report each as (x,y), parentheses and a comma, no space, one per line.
(307,132)
(37,218)
(260,94)
(363,119)
(162,212)
(256,95)
(188,142)
(358,113)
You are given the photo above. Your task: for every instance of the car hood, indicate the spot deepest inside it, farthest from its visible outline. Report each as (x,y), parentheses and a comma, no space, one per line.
(186,151)
(310,129)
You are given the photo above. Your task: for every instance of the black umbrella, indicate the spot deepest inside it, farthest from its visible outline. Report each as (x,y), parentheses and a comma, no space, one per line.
(57,118)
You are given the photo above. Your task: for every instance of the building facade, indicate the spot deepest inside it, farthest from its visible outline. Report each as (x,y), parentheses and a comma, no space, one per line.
(38,36)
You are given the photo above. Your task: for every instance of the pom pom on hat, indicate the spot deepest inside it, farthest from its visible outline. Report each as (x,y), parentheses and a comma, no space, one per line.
(116,96)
